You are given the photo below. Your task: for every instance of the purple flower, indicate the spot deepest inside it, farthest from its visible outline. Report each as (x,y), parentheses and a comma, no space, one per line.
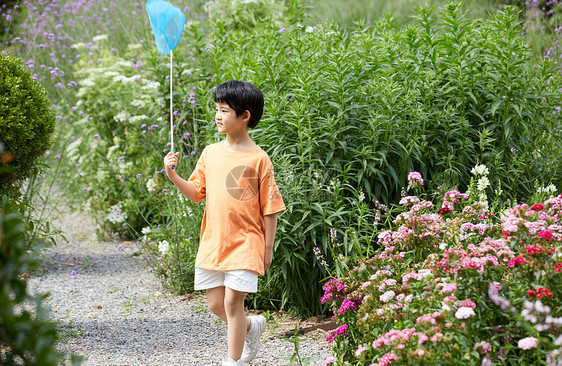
(73,273)
(121,177)
(139,175)
(97,136)
(282,30)
(120,247)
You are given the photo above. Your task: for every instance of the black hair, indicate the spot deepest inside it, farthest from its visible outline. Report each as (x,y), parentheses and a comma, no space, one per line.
(241,96)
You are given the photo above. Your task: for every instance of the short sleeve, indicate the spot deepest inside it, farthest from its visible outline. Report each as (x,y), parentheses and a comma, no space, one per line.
(198,178)
(270,198)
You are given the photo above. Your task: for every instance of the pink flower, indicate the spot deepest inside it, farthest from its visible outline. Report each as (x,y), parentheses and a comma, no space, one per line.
(421,352)
(329,361)
(527,343)
(360,350)
(415,178)
(449,287)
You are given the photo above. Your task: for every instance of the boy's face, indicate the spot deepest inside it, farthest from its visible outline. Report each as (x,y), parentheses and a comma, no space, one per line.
(227,120)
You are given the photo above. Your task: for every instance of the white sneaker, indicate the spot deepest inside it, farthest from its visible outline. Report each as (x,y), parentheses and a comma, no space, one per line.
(252,343)
(230,362)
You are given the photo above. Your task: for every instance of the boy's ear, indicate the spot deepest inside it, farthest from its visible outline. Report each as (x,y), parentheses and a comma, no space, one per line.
(246,115)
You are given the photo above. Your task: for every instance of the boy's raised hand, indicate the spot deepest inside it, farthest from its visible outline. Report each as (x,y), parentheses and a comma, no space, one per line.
(171,160)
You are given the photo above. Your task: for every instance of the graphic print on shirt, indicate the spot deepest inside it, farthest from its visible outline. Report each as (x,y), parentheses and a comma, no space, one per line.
(242,182)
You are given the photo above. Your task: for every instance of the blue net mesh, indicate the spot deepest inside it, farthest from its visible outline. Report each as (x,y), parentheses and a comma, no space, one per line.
(167,23)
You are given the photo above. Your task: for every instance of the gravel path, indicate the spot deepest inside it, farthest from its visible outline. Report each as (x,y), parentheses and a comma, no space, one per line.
(113,311)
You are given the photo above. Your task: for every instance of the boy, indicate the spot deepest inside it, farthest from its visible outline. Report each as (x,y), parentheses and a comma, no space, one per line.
(238,228)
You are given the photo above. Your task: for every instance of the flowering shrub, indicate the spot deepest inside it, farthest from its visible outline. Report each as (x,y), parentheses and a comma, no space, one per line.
(463,284)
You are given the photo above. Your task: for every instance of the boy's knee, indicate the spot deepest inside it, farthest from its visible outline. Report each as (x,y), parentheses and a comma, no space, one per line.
(233,301)
(216,306)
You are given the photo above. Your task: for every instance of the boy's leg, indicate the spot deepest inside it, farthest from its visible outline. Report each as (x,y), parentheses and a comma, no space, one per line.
(215,301)
(237,321)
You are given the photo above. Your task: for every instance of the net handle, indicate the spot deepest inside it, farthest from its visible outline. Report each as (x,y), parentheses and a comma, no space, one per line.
(171,105)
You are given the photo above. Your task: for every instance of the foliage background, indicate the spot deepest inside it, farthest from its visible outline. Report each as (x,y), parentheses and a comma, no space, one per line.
(349,112)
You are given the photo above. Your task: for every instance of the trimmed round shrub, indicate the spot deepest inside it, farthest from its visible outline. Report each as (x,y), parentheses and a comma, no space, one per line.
(26,122)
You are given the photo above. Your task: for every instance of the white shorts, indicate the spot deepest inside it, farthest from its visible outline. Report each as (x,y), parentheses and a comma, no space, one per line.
(239,280)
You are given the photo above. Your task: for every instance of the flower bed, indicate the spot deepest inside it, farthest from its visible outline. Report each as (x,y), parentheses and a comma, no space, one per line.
(454,285)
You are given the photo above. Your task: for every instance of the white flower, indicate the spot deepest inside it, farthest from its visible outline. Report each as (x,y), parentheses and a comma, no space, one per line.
(124,63)
(87,82)
(482,183)
(361,196)
(78,45)
(111,73)
(101,37)
(309,29)
(551,189)
(464,313)
(163,247)
(116,215)
(138,118)
(137,103)
(134,46)
(443,246)
(123,115)
(151,185)
(150,85)
(387,296)
(480,170)
(146,230)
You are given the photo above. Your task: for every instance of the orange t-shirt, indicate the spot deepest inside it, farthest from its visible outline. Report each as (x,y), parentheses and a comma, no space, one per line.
(240,190)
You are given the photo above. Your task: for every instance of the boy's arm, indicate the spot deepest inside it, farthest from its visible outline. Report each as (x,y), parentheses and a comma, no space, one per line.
(270,227)
(185,187)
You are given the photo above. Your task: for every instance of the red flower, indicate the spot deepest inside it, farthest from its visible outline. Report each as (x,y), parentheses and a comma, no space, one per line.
(444,210)
(504,234)
(519,260)
(546,234)
(530,293)
(533,249)
(537,207)
(543,291)
(558,268)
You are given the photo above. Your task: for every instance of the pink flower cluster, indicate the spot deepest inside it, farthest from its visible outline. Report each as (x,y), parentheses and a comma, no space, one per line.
(332,291)
(415,178)
(488,252)
(338,332)
(484,346)
(346,305)
(452,197)
(385,359)
(428,318)
(538,221)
